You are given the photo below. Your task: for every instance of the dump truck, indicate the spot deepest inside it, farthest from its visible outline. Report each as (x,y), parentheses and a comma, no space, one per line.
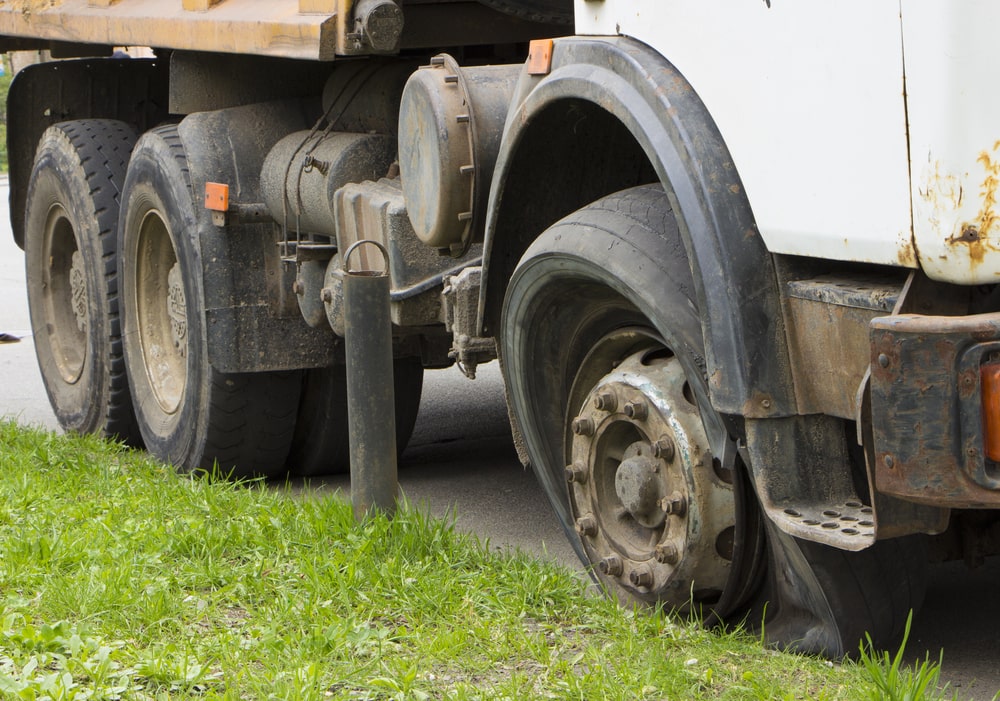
(738,262)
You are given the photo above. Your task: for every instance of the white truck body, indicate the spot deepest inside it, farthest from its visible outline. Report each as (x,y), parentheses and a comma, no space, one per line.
(885,153)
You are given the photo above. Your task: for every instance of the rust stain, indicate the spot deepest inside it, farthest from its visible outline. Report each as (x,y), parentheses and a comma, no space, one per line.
(975,235)
(906,254)
(943,192)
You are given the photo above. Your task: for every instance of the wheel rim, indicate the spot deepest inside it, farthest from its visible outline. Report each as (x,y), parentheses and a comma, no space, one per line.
(653,513)
(65,295)
(161,312)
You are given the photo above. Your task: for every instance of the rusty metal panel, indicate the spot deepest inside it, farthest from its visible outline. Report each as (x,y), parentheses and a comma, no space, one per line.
(829,347)
(262,27)
(828,336)
(926,408)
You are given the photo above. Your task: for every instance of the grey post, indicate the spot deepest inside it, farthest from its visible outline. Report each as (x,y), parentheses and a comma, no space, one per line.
(370,400)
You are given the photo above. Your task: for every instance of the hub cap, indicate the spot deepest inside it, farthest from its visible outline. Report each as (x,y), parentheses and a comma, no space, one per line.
(653,514)
(161,312)
(64,294)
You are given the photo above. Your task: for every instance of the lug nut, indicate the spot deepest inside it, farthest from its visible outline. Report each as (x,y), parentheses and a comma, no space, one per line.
(582,426)
(576,473)
(641,577)
(611,566)
(666,554)
(636,410)
(674,505)
(586,526)
(664,449)
(606,401)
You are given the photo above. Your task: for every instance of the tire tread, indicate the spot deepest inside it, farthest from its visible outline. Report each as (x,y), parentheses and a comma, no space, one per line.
(102,148)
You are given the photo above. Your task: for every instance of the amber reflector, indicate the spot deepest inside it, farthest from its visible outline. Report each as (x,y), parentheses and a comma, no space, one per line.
(216,197)
(989,376)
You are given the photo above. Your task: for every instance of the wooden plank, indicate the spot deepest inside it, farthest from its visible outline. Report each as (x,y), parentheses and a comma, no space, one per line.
(258,27)
(199,5)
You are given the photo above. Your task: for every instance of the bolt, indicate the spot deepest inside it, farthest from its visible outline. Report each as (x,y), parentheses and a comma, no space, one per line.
(586,526)
(641,577)
(576,473)
(663,449)
(883,360)
(298,288)
(666,553)
(611,566)
(766,403)
(674,505)
(582,426)
(327,295)
(888,461)
(606,401)
(636,410)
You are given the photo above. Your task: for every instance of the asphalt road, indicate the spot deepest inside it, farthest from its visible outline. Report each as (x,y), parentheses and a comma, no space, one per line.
(461,463)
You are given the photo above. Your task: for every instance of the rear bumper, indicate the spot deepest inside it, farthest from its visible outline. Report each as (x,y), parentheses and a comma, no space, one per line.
(926,407)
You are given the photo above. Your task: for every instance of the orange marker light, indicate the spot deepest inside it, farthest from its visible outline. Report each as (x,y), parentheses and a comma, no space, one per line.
(540,57)
(989,376)
(216,197)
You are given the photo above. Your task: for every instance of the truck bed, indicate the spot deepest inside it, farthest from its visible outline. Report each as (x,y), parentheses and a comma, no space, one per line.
(299,29)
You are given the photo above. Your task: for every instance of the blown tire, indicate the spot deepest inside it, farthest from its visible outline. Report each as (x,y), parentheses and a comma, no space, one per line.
(603,357)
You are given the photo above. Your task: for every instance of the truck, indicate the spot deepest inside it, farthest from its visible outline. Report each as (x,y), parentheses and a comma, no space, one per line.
(738,262)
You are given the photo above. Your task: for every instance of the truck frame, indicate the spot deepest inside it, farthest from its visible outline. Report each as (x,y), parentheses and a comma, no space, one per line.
(740,274)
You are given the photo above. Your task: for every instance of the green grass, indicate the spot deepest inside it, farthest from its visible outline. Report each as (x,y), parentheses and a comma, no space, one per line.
(121,579)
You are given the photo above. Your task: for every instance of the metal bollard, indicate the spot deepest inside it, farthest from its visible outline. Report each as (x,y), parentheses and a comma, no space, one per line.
(370,401)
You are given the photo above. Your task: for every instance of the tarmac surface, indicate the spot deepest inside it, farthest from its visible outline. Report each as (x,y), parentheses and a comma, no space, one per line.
(461,463)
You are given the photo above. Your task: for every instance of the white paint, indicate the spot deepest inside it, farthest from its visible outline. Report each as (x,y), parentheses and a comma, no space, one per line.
(952,70)
(808,97)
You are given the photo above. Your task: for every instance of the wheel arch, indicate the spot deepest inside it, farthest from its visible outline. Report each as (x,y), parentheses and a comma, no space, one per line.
(648,125)
(133,91)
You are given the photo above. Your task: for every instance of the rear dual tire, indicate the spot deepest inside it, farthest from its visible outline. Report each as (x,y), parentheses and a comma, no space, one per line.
(189,414)
(322,440)
(71,259)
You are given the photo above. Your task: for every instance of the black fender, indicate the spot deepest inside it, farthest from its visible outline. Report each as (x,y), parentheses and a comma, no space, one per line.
(252,321)
(133,91)
(746,355)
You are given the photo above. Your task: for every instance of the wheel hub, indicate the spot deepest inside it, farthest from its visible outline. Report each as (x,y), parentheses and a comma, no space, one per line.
(177,309)
(639,487)
(78,290)
(161,323)
(653,514)
(64,296)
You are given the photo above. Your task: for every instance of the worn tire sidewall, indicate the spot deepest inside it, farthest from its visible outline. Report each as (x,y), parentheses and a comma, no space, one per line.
(589,247)
(155,181)
(58,179)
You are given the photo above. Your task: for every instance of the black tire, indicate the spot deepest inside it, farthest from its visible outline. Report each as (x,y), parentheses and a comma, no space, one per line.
(870,592)
(603,283)
(322,441)
(71,221)
(189,414)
